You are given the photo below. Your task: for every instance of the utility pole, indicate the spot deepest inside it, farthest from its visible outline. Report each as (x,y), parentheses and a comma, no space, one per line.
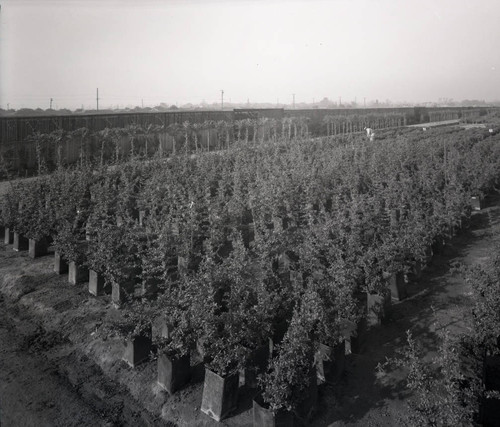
(51,103)
(340,101)
(8,106)
(97,99)
(222,99)
(364,102)
(142,103)
(293,100)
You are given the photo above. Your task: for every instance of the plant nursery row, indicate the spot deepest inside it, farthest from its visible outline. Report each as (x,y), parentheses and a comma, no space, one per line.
(267,260)
(134,141)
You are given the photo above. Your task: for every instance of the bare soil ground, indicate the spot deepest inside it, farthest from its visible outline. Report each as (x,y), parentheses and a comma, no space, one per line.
(57,370)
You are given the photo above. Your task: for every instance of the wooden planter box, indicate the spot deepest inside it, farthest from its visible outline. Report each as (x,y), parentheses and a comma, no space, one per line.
(377,306)
(173,373)
(354,337)
(256,364)
(330,361)
(397,286)
(220,395)
(77,273)
(97,283)
(120,292)
(20,243)
(477,203)
(137,348)
(8,238)
(265,417)
(60,265)
(161,328)
(38,248)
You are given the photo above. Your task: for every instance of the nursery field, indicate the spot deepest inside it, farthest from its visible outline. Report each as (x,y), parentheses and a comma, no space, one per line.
(273,281)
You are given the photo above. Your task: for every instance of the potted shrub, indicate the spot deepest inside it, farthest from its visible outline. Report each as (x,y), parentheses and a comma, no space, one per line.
(220,388)
(138,344)
(22,223)
(334,309)
(112,253)
(225,311)
(289,386)
(72,250)
(223,357)
(97,283)
(60,264)
(36,217)
(136,331)
(378,296)
(10,212)
(174,361)
(21,243)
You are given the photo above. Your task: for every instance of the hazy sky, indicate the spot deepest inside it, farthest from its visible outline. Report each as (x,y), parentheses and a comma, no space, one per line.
(187,51)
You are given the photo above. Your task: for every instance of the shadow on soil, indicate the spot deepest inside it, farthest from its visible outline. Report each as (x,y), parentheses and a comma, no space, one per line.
(360,390)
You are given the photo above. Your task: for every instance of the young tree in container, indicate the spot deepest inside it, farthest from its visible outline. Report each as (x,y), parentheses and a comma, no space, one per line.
(35,220)
(290,382)
(10,206)
(70,204)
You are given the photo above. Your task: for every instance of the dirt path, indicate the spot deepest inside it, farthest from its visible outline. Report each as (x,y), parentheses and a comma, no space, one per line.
(439,301)
(32,393)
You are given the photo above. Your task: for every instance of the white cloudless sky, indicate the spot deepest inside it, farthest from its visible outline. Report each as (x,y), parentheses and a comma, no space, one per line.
(262,50)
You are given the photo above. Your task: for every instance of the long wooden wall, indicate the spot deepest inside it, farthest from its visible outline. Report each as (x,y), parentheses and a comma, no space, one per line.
(16,129)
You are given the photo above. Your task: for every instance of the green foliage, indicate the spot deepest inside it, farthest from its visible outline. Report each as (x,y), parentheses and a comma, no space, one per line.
(328,220)
(446,390)
(485,283)
(10,206)
(288,380)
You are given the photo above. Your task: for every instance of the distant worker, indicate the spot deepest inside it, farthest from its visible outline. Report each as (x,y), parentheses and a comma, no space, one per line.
(369,131)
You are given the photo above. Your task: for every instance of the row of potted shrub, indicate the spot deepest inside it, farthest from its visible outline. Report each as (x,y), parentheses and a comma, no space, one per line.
(320,222)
